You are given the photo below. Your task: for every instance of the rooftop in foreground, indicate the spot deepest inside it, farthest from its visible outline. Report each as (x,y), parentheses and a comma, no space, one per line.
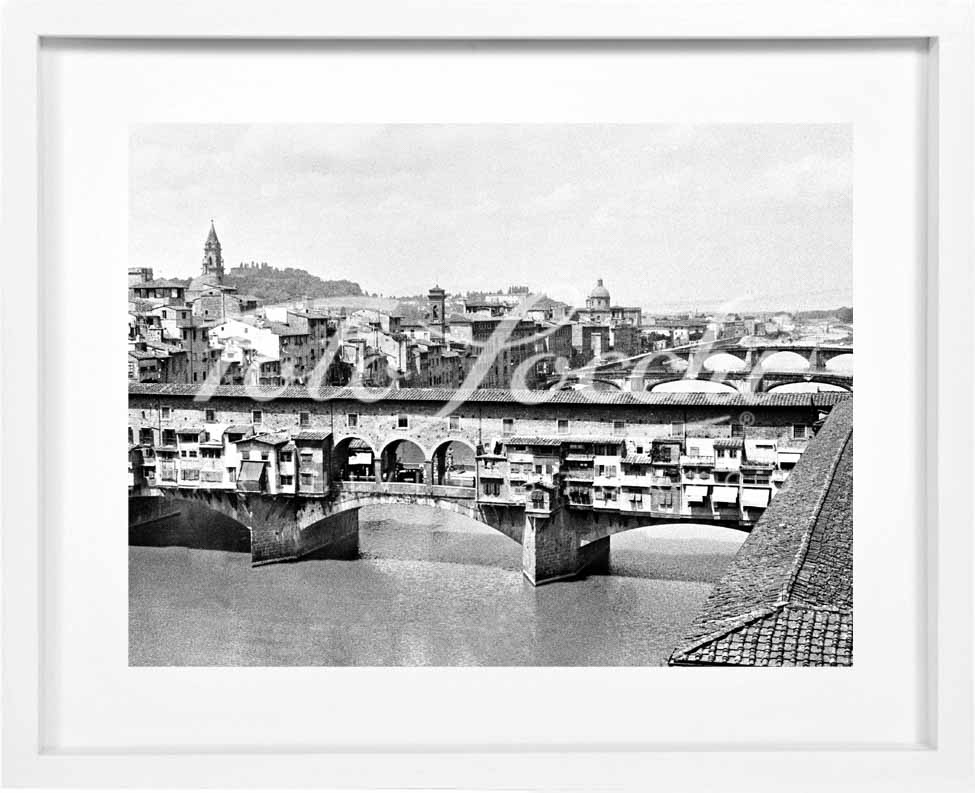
(787,597)
(824,399)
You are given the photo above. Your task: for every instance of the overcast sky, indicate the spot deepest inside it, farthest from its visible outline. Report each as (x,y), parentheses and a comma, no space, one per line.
(669,216)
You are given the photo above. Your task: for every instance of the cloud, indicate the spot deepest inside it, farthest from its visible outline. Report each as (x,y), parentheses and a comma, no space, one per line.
(659,211)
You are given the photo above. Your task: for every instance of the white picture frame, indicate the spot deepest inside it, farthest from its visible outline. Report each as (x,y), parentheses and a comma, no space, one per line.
(942,762)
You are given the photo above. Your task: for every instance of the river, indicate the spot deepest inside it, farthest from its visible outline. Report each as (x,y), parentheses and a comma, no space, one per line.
(430,588)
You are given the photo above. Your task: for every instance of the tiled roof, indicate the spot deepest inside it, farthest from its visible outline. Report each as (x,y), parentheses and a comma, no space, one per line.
(162,283)
(271,440)
(312,435)
(281,329)
(787,598)
(499,395)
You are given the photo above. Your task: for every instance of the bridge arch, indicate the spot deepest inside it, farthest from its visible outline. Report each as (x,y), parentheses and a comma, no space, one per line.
(353,459)
(692,385)
(195,519)
(453,462)
(784,361)
(404,459)
(592,383)
(806,386)
(724,362)
(840,363)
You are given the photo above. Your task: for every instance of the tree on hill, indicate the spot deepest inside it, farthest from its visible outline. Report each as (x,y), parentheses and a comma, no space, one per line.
(273,285)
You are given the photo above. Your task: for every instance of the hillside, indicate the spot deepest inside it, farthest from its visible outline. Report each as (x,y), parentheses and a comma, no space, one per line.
(842,314)
(272,285)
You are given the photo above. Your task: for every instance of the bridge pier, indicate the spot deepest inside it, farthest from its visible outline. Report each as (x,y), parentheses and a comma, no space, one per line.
(283,530)
(551,549)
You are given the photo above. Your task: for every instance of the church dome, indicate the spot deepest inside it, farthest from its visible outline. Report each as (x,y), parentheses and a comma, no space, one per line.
(599,290)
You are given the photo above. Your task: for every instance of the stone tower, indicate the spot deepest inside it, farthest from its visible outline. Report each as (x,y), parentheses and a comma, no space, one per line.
(437,302)
(213,256)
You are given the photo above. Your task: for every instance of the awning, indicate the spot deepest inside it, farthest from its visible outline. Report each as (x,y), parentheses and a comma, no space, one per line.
(251,470)
(696,493)
(752,497)
(726,495)
(789,457)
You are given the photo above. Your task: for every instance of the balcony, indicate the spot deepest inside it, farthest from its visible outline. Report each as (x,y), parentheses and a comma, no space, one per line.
(763,465)
(698,460)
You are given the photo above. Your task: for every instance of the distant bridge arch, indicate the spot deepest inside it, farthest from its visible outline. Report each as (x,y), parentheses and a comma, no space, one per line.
(841,363)
(806,386)
(695,385)
(785,361)
(724,362)
(782,382)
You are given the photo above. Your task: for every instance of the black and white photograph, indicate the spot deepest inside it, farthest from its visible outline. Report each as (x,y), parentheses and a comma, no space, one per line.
(496,395)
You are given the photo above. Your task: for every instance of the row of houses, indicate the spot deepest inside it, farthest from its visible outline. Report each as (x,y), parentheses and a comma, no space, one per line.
(708,478)
(730,479)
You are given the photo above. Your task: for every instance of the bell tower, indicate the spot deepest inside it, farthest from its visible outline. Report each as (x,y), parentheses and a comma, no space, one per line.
(437,305)
(213,256)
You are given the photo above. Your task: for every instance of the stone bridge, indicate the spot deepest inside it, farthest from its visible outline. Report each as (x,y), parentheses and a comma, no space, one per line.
(558,541)
(295,468)
(755,369)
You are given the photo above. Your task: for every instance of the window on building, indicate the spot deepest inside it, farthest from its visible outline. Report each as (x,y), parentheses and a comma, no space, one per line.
(737,430)
(619,427)
(211,415)
(798,431)
(402,421)
(168,437)
(287,479)
(352,419)
(307,479)
(285,457)
(257,416)
(304,419)
(265,455)
(165,413)
(677,429)
(563,426)
(232,474)
(146,436)
(507,426)
(453,422)
(182,453)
